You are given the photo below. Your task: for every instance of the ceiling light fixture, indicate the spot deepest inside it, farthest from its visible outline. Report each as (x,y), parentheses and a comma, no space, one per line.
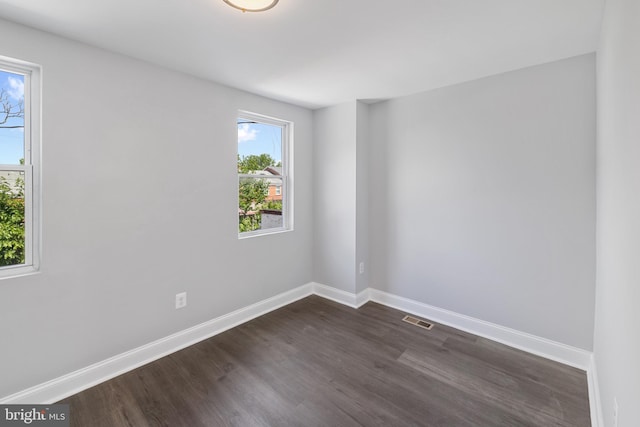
(252,5)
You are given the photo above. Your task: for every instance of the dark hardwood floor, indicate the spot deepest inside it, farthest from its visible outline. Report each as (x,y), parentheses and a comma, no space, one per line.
(318,363)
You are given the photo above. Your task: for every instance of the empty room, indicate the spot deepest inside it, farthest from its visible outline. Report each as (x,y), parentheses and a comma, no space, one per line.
(320,213)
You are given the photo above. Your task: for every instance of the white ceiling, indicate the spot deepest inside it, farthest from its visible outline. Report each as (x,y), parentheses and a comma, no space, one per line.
(322,52)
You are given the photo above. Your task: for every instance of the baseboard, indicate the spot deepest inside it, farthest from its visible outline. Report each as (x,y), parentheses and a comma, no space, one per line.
(340,296)
(595,404)
(543,347)
(67,385)
(556,351)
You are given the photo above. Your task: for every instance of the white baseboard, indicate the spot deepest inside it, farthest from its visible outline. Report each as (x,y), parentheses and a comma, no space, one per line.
(67,385)
(595,404)
(543,347)
(363,297)
(340,296)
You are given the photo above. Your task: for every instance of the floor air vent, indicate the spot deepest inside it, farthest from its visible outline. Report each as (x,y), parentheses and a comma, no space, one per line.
(414,321)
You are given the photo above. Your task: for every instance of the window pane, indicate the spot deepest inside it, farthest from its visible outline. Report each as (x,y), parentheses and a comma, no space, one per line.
(11,118)
(259,146)
(259,207)
(11,217)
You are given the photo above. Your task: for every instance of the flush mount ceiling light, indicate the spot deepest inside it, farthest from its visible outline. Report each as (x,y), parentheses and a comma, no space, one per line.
(251,5)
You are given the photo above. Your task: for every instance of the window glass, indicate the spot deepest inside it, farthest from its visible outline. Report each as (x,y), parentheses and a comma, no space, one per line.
(12,182)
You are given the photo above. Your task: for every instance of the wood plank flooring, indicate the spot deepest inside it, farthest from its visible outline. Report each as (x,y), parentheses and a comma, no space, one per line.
(318,363)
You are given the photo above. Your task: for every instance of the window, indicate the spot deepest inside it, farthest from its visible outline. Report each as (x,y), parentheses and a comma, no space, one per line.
(264,175)
(19,171)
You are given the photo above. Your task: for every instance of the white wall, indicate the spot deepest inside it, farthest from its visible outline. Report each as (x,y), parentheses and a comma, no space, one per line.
(334,156)
(483,199)
(139,203)
(617,336)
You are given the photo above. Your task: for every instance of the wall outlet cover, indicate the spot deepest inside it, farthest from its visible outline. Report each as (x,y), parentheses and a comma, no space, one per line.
(181,300)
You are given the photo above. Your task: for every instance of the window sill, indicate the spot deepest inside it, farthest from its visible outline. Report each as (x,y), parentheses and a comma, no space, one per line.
(17,271)
(257,233)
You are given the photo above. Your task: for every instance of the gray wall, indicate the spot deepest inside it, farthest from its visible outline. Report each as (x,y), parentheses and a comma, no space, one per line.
(341,171)
(617,336)
(362,196)
(483,199)
(478,198)
(334,155)
(139,203)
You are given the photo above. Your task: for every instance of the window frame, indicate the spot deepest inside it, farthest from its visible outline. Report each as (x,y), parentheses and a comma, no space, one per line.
(286,174)
(31,167)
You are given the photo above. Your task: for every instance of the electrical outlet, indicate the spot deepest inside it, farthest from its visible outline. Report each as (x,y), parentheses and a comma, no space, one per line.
(181,300)
(615,412)
(362,268)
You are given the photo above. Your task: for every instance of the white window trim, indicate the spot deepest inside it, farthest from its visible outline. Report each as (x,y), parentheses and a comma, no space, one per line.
(31,167)
(287,173)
